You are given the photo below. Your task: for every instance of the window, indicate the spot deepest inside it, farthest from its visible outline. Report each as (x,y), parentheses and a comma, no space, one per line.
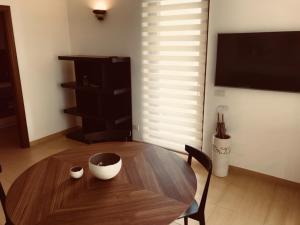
(174,56)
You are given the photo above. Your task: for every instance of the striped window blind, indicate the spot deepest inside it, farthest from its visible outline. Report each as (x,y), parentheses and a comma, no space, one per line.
(174,36)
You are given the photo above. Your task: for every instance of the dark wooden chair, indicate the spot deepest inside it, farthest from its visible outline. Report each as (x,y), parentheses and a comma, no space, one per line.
(2,198)
(197,212)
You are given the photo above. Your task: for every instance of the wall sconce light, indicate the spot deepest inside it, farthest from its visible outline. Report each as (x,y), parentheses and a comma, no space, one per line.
(100,14)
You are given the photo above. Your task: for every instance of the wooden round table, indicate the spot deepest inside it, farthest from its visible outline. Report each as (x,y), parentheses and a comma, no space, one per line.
(154,187)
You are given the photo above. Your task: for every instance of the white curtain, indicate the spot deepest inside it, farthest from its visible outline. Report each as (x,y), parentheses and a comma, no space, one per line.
(174,56)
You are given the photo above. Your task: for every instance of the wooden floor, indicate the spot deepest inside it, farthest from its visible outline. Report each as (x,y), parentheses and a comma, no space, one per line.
(239,199)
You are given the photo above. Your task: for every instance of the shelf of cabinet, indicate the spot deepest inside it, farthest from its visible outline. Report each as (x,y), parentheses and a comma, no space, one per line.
(76,112)
(5,85)
(87,58)
(117,119)
(75,86)
(7,112)
(95,88)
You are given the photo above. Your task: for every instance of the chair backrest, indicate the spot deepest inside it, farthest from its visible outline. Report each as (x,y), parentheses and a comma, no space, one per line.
(2,198)
(205,161)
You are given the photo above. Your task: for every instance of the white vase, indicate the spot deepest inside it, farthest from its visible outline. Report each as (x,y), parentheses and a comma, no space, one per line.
(220,156)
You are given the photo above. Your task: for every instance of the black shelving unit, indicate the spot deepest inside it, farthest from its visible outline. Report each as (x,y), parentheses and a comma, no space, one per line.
(103,98)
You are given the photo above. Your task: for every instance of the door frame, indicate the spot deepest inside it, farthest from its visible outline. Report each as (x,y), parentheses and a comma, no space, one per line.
(15,77)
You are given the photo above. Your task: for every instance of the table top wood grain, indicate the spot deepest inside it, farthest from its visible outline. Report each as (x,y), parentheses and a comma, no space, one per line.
(153,187)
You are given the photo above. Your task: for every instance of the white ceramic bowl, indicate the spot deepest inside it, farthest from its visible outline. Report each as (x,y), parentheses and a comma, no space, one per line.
(105,165)
(76,172)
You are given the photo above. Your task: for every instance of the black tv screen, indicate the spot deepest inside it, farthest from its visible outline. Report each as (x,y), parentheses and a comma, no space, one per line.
(269,61)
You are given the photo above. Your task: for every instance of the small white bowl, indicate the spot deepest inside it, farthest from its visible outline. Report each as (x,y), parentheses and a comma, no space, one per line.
(105,166)
(76,172)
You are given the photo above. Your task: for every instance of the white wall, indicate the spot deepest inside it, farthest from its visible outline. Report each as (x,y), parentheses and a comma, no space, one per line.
(265,125)
(42,33)
(118,35)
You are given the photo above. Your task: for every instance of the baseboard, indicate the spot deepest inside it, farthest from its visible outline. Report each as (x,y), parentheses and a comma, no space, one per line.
(52,136)
(265,176)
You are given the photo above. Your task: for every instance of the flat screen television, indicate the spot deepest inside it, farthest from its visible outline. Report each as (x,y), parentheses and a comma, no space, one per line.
(268,61)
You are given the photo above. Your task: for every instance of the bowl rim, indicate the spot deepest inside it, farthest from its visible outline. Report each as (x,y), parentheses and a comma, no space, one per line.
(101,153)
(76,171)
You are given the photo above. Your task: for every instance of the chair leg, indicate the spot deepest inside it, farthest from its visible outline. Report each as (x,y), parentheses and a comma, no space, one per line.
(185,220)
(202,220)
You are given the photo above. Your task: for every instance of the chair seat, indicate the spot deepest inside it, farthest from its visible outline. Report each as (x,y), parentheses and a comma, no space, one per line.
(193,209)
